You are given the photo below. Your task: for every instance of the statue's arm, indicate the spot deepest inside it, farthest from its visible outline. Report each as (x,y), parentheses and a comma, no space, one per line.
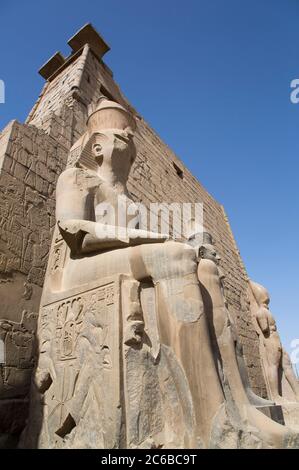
(108,237)
(289,373)
(86,236)
(72,204)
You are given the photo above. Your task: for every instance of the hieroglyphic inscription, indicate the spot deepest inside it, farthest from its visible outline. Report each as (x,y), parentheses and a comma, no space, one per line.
(79,339)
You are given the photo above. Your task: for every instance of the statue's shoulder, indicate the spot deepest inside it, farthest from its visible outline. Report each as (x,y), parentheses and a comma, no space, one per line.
(79,177)
(70,174)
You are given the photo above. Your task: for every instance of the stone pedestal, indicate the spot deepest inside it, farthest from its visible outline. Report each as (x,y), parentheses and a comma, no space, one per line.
(104,380)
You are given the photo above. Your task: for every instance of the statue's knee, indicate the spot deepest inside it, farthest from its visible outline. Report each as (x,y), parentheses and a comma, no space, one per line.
(164,261)
(181,256)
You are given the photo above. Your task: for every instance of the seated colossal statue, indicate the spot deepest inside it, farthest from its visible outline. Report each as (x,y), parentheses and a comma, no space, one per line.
(130,321)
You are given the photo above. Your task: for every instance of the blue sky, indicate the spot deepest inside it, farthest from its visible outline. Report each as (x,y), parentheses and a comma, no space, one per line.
(213,79)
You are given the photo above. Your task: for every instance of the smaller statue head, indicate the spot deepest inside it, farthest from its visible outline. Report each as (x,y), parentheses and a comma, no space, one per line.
(207,249)
(261,294)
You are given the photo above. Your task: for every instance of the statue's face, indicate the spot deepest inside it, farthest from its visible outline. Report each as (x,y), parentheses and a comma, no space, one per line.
(209,252)
(114,149)
(261,294)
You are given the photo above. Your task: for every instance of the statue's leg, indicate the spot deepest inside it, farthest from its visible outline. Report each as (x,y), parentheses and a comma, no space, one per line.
(290,375)
(274,358)
(173,266)
(253,398)
(81,271)
(273,375)
(182,323)
(271,433)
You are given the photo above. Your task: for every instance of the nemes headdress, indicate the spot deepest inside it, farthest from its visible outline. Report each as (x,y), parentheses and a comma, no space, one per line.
(107,115)
(110,115)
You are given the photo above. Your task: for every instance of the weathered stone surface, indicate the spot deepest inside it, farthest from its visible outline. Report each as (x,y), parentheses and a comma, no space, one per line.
(51,66)
(29,162)
(88,35)
(291,414)
(62,112)
(137,346)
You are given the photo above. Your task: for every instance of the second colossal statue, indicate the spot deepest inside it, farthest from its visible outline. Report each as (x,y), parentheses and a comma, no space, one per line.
(276,361)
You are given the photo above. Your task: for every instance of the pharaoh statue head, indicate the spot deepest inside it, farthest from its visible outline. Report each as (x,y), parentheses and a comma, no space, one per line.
(207,249)
(262,298)
(108,147)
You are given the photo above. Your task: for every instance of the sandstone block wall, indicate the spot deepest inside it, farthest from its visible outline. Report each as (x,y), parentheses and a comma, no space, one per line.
(30,162)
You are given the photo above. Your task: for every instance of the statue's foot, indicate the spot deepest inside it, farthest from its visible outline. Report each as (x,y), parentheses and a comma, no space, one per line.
(255,400)
(271,433)
(252,430)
